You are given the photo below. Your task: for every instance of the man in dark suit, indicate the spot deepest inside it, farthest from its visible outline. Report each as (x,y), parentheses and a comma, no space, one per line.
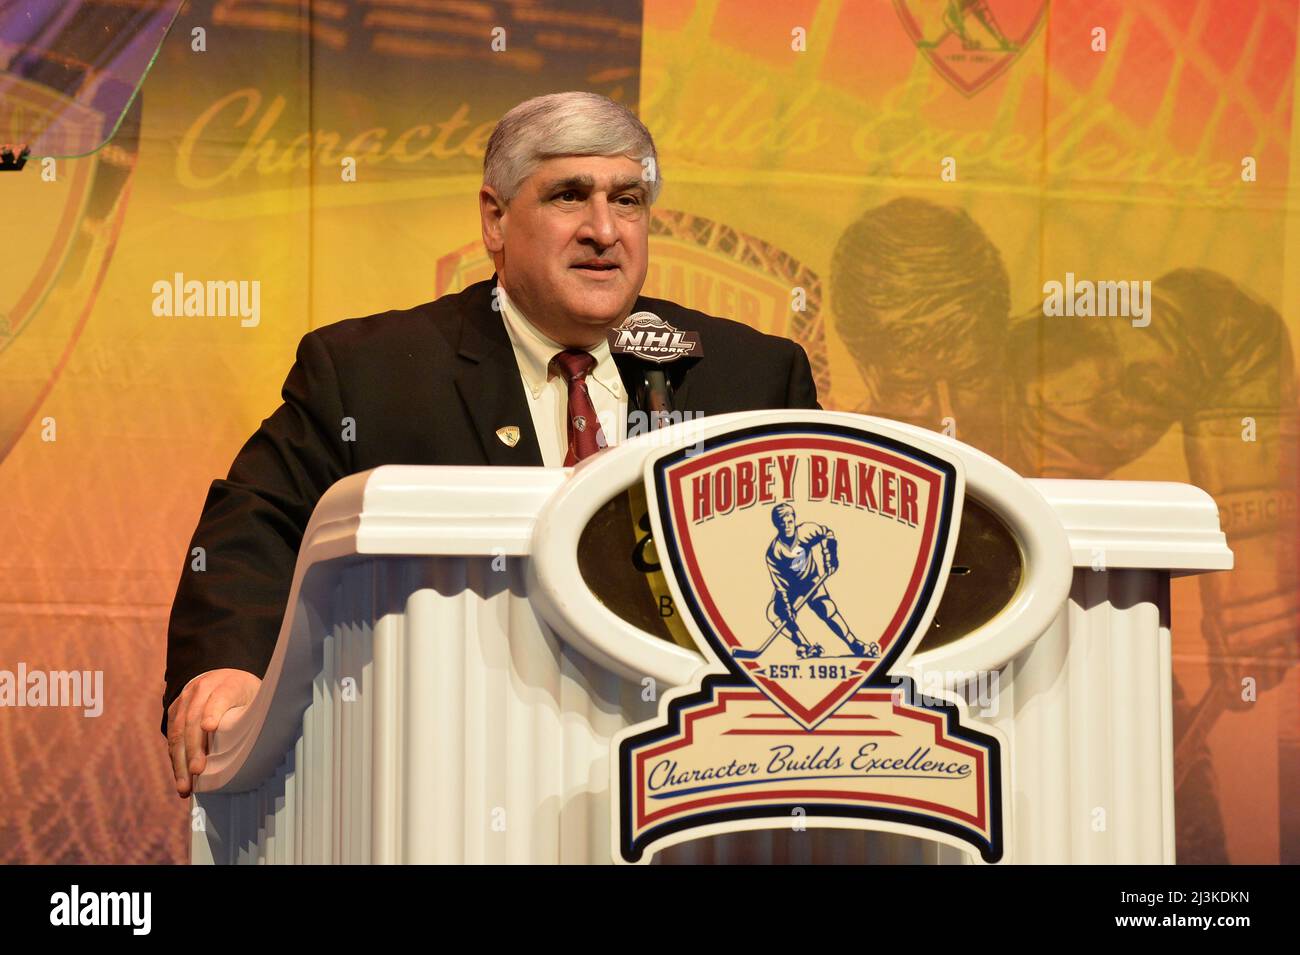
(516,370)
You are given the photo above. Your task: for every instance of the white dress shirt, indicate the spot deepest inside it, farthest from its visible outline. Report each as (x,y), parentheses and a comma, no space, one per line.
(548,391)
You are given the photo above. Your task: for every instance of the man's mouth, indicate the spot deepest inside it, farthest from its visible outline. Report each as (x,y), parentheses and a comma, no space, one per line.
(596,265)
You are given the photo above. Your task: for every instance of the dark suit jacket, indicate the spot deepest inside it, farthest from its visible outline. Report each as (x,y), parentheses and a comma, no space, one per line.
(428,385)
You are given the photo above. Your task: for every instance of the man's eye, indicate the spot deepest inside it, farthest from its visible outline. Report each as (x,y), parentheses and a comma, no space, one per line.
(567,195)
(631,200)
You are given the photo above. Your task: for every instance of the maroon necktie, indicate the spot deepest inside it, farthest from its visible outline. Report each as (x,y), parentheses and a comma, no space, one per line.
(585,436)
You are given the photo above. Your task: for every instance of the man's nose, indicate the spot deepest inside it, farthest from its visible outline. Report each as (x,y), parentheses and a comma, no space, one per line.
(598,225)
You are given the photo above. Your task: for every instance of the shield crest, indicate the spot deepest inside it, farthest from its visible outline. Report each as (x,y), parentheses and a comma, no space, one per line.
(809,554)
(971,42)
(807,557)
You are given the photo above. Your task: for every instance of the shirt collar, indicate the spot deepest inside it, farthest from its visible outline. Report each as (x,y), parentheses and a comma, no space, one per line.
(535,350)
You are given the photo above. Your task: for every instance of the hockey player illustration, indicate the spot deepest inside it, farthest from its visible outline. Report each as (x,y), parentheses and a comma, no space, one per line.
(1035,397)
(800,559)
(955,19)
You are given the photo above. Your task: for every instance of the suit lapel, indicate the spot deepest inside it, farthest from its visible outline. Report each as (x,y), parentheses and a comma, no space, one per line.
(489,383)
(490,386)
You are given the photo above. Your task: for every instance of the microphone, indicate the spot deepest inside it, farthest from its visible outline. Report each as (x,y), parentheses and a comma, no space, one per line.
(654,343)
(656,397)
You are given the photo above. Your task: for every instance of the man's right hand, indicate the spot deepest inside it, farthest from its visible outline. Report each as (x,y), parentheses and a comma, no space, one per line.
(197,712)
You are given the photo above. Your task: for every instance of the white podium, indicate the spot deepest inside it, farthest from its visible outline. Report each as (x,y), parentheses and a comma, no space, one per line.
(446,685)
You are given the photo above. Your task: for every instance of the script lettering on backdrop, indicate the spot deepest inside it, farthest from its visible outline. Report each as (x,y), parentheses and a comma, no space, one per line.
(809,559)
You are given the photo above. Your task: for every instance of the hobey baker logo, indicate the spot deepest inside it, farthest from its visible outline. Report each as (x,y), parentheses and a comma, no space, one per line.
(971,42)
(808,558)
(783,516)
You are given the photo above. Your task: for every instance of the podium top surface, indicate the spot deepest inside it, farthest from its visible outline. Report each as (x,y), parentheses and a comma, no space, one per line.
(481,511)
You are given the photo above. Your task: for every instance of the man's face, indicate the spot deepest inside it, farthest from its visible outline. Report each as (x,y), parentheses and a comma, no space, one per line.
(786,525)
(571,248)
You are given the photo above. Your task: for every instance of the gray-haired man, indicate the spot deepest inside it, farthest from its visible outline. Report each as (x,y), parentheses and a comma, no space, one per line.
(515,370)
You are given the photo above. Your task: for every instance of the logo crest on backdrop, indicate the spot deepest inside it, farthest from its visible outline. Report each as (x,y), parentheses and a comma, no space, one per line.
(808,561)
(971,42)
(69,234)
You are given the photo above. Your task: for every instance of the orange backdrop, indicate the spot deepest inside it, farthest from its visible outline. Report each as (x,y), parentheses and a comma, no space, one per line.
(920,167)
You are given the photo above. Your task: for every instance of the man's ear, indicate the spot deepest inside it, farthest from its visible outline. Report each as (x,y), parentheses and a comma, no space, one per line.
(493,213)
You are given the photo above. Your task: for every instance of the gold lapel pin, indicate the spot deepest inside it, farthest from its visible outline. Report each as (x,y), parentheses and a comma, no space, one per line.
(509,435)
